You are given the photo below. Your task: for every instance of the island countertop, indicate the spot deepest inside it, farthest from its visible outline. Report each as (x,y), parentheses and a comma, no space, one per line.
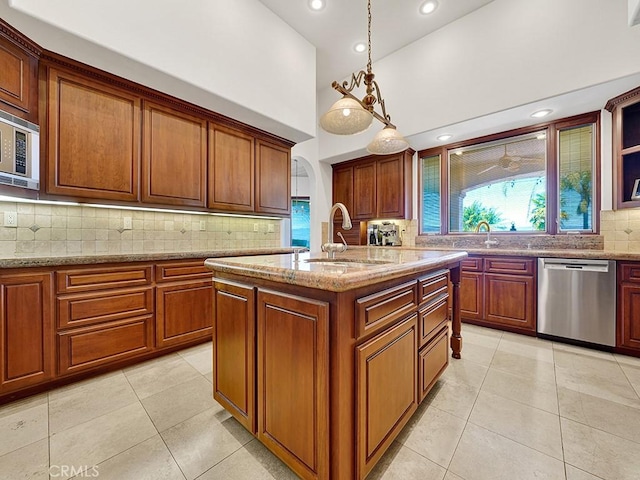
(351,269)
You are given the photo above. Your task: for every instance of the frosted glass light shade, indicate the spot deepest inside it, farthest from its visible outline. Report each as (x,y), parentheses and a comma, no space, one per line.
(346,117)
(387,141)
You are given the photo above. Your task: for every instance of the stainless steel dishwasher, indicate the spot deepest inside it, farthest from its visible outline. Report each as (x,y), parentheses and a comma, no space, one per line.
(577,299)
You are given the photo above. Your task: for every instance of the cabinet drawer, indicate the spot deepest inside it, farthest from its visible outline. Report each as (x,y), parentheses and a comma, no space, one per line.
(514,266)
(90,308)
(432,360)
(630,272)
(431,317)
(168,272)
(85,279)
(433,286)
(472,264)
(377,311)
(87,347)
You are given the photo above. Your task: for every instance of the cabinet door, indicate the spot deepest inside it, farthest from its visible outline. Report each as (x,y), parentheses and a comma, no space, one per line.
(273,178)
(293,382)
(629,326)
(19,77)
(343,189)
(234,355)
(175,157)
(510,300)
(386,385)
(231,170)
(471,295)
(26,330)
(390,187)
(183,312)
(364,191)
(93,139)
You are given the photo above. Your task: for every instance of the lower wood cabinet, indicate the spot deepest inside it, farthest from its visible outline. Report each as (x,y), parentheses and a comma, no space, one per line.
(628,324)
(386,372)
(499,292)
(26,330)
(293,380)
(433,358)
(234,351)
(87,347)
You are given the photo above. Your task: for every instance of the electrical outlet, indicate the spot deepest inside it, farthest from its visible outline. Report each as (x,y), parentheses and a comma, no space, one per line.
(271,228)
(256,227)
(203,225)
(11,219)
(127,223)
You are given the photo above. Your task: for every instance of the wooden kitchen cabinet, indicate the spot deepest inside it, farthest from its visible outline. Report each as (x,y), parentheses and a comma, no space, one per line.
(184,302)
(364,191)
(386,384)
(628,324)
(174,165)
(375,187)
(343,193)
(92,137)
(234,350)
(625,110)
(231,170)
(273,178)
(105,314)
(293,380)
(26,330)
(499,292)
(18,74)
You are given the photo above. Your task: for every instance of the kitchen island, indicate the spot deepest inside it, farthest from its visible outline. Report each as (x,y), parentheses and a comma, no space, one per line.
(325,360)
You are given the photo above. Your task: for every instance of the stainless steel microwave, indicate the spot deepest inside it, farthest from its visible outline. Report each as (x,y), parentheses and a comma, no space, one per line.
(19,152)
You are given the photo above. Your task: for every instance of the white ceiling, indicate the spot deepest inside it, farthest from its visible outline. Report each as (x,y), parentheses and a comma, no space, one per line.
(342,23)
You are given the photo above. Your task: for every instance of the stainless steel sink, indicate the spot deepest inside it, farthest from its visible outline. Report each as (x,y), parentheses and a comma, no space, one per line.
(361,262)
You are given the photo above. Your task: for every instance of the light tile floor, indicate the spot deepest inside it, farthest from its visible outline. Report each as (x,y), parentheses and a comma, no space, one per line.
(513,408)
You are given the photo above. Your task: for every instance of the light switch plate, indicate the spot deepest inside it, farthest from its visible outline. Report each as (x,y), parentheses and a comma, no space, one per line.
(203,225)
(271,228)
(127,223)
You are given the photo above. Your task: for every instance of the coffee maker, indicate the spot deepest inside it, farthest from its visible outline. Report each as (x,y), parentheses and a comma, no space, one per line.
(386,234)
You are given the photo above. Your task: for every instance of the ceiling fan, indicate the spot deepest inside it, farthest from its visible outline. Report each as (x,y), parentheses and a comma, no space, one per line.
(510,163)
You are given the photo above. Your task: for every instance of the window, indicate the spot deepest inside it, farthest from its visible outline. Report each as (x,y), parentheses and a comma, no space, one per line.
(498,182)
(300,222)
(533,180)
(431,194)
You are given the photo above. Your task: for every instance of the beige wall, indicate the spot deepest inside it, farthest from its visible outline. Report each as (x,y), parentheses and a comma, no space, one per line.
(45,230)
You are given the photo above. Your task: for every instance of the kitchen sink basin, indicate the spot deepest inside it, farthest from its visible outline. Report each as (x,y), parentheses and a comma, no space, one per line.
(366,262)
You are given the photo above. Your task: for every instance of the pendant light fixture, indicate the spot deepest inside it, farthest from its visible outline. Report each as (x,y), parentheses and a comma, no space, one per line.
(350,115)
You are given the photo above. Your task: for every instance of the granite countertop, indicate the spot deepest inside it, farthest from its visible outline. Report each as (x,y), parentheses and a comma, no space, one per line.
(88,259)
(537,252)
(354,268)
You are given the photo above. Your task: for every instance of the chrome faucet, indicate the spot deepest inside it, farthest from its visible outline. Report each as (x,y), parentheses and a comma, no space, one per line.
(488,242)
(330,247)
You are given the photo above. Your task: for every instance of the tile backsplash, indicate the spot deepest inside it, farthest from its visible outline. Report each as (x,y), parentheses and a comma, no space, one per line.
(45,229)
(621,229)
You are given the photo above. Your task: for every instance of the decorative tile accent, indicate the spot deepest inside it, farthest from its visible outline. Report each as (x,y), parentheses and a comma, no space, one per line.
(34,228)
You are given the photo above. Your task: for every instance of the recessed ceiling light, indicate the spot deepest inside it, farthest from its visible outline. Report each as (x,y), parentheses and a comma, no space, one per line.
(428,7)
(360,47)
(541,113)
(444,137)
(316,4)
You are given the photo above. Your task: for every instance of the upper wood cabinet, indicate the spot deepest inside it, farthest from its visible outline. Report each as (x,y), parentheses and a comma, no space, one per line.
(174,157)
(18,74)
(231,169)
(273,178)
(364,191)
(92,138)
(375,186)
(625,109)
